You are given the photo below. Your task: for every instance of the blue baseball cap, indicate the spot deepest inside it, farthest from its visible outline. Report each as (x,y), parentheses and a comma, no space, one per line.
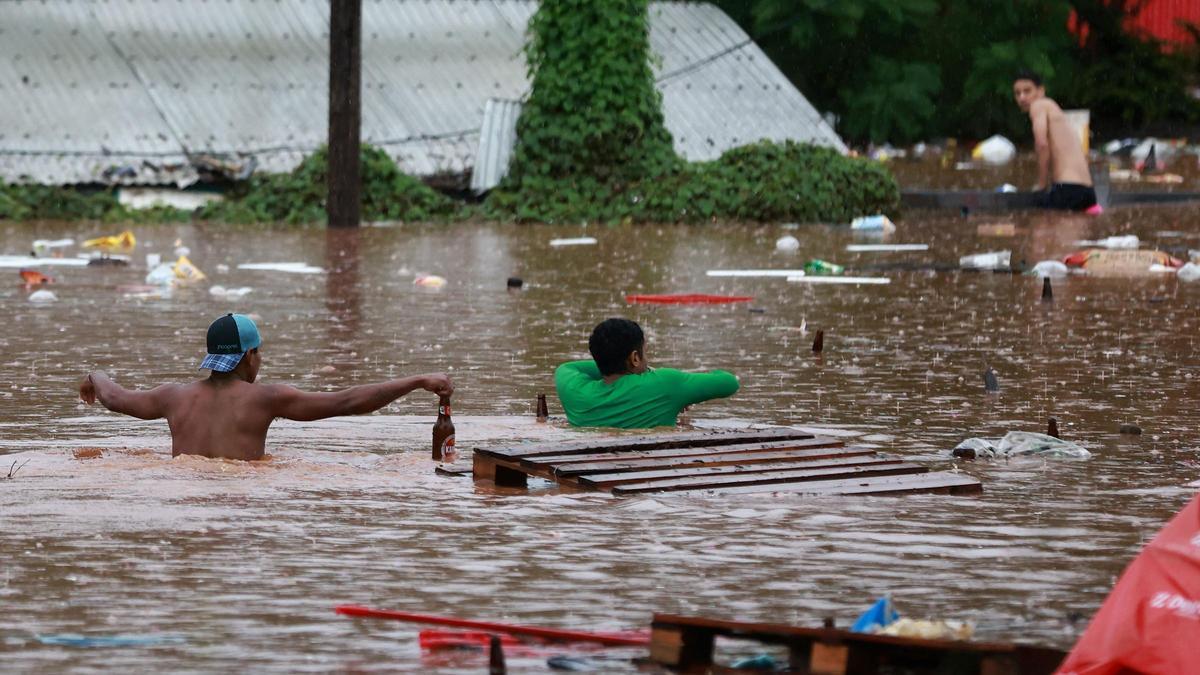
(229,338)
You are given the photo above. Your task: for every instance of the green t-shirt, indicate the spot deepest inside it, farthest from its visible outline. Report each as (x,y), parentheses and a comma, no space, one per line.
(651,399)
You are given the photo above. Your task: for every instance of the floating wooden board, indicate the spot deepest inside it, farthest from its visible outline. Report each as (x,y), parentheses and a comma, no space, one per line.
(686,643)
(778,460)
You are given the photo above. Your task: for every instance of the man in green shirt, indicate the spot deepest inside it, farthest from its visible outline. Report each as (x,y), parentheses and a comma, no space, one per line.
(618,389)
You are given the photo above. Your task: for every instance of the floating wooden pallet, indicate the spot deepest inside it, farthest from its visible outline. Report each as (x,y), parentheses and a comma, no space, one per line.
(686,643)
(776,460)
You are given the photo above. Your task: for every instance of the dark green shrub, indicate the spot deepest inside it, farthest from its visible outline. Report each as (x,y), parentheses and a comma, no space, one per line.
(299,196)
(761,182)
(52,202)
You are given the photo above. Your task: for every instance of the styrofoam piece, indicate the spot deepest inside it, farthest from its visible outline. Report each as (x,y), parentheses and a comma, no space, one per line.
(885,248)
(755,273)
(573,241)
(138,198)
(228,293)
(840,280)
(45,244)
(28,261)
(290,267)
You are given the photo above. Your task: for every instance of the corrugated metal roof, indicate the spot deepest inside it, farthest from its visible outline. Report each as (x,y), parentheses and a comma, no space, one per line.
(124,91)
(497,139)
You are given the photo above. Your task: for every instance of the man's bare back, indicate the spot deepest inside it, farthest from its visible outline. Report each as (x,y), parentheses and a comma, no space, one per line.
(1068,164)
(227,415)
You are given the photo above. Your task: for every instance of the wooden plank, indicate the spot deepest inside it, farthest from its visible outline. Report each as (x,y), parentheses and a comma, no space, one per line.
(715,459)
(819,442)
(692,439)
(487,468)
(770,478)
(681,648)
(940,481)
(603,480)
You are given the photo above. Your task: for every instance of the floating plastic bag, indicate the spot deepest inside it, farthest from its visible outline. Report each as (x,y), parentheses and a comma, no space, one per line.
(1017,443)
(1189,272)
(43,296)
(878,223)
(995,150)
(995,260)
(117,242)
(1050,268)
(163,274)
(1122,242)
(878,616)
(787,243)
(929,630)
(181,272)
(187,272)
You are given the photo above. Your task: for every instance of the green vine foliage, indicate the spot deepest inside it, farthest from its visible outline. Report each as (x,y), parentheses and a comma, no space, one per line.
(593,109)
(592,145)
(19,201)
(299,197)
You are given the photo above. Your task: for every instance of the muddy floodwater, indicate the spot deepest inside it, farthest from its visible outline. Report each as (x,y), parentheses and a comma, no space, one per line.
(237,566)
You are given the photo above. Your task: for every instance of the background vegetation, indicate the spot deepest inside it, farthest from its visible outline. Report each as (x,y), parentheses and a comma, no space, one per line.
(906,70)
(592,144)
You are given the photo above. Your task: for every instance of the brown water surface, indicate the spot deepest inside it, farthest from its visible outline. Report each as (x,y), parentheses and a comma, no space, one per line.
(243,562)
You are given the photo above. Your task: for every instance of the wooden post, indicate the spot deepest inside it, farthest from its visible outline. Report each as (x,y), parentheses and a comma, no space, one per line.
(343,205)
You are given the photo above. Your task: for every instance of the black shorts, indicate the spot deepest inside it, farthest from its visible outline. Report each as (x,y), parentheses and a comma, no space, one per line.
(1069,197)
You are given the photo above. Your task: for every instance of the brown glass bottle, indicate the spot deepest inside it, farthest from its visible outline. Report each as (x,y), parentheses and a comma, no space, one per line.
(443,432)
(543,413)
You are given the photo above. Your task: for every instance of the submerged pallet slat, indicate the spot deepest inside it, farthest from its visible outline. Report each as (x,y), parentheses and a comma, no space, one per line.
(801,444)
(938,481)
(773,460)
(694,439)
(686,643)
(714,458)
(599,480)
(769,478)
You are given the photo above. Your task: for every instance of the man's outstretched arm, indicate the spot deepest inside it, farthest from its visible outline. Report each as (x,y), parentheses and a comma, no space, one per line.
(293,404)
(146,405)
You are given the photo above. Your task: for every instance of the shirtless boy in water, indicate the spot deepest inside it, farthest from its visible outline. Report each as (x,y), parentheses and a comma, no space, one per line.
(227,415)
(1059,150)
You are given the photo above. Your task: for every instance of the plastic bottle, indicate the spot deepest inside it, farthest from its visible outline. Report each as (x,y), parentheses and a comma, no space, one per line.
(817,266)
(443,433)
(880,223)
(994,260)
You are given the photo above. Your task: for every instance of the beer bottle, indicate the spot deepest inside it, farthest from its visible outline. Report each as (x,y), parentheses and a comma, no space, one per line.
(543,413)
(443,432)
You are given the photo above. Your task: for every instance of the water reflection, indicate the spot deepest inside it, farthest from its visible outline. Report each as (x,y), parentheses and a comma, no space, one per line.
(343,290)
(350,511)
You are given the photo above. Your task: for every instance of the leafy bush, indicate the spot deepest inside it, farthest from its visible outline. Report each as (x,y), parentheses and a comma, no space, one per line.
(299,196)
(49,202)
(761,182)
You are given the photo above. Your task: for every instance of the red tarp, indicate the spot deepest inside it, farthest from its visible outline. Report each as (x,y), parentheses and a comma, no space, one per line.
(1150,622)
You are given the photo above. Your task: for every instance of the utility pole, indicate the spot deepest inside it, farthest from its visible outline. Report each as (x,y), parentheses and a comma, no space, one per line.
(344,203)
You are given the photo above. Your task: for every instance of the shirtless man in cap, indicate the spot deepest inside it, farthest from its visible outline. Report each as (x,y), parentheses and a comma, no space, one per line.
(227,415)
(1059,150)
